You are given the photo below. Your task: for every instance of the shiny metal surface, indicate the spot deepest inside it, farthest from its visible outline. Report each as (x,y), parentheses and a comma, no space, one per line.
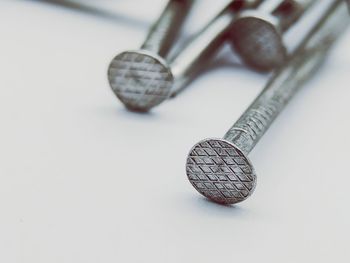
(158,80)
(199,50)
(219,168)
(257,34)
(164,31)
(139,78)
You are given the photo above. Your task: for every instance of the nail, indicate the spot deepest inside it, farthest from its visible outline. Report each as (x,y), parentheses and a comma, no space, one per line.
(163,80)
(257,34)
(137,77)
(219,168)
(191,60)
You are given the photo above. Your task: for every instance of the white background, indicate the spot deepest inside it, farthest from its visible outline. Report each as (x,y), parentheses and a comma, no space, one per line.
(82,180)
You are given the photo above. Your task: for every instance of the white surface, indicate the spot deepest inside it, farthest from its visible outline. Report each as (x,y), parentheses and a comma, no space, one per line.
(82,180)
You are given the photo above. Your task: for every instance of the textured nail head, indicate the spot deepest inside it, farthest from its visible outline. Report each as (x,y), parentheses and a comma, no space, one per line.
(220,171)
(258,42)
(140,79)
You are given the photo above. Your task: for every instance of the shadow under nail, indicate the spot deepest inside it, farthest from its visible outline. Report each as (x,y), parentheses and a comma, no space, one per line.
(209,208)
(121,112)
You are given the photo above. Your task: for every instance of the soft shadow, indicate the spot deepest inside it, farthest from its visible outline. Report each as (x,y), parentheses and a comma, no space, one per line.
(209,208)
(121,112)
(96,12)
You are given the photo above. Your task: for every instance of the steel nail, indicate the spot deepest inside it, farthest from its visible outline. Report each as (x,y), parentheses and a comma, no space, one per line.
(140,73)
(257,34)
(160,80)
(219,169)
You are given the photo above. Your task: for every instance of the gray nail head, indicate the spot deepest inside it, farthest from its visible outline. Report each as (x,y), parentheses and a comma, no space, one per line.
(140,79)
(220,171)
(258,42)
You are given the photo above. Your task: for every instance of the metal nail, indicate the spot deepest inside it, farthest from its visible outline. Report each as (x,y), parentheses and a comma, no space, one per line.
(144,91)
(191,60)
(140,73)
(257,34)
(219,168)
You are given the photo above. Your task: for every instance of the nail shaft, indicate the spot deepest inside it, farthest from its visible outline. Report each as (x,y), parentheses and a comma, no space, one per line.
(165,30)
(194,56)
(252,125)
